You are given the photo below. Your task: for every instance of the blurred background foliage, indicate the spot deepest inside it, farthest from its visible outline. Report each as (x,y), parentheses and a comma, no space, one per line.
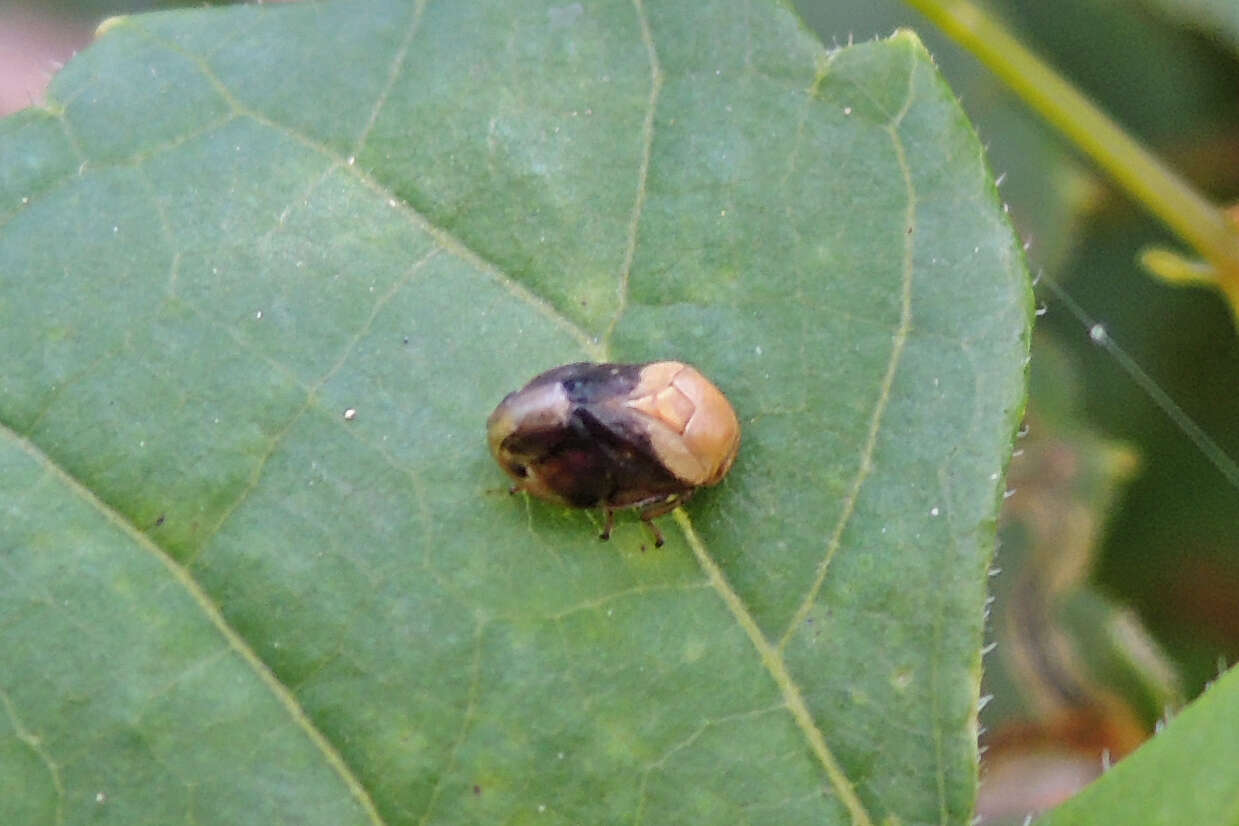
(1118,594)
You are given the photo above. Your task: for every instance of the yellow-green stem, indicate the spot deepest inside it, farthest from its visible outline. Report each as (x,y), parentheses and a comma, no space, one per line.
(1186,212)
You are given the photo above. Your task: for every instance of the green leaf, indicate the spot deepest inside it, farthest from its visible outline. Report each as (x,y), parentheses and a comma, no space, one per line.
(1186,774)
(224,599)
(1045,183)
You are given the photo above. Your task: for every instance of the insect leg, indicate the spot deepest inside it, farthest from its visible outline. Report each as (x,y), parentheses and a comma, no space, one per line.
(608,524)
(658,535)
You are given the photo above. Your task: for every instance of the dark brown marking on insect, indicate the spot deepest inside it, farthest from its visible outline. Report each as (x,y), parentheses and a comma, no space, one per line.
(591,464)
(587,383)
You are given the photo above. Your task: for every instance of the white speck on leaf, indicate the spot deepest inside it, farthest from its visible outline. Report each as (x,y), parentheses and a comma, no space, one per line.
(350,414)
(1097,333)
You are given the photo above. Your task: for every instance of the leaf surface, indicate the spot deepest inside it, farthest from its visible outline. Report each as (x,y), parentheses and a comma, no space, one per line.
(224,599)
(1183,775)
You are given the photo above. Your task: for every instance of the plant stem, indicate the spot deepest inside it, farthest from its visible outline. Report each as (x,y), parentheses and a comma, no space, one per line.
(1185,211)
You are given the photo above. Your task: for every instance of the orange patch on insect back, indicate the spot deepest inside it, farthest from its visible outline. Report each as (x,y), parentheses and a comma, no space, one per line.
(714,430)
(669,405)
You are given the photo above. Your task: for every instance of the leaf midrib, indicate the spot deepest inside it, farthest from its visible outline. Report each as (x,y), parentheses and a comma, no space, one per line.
(772,660)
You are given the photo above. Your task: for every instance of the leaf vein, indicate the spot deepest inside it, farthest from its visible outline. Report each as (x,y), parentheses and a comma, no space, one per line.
(54,185)
(900,338)
(393,73)
(35,744)
(466,720)
(643,170)
(597,603)
(589,344)
(772,660)
(211,611)
(310,398)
